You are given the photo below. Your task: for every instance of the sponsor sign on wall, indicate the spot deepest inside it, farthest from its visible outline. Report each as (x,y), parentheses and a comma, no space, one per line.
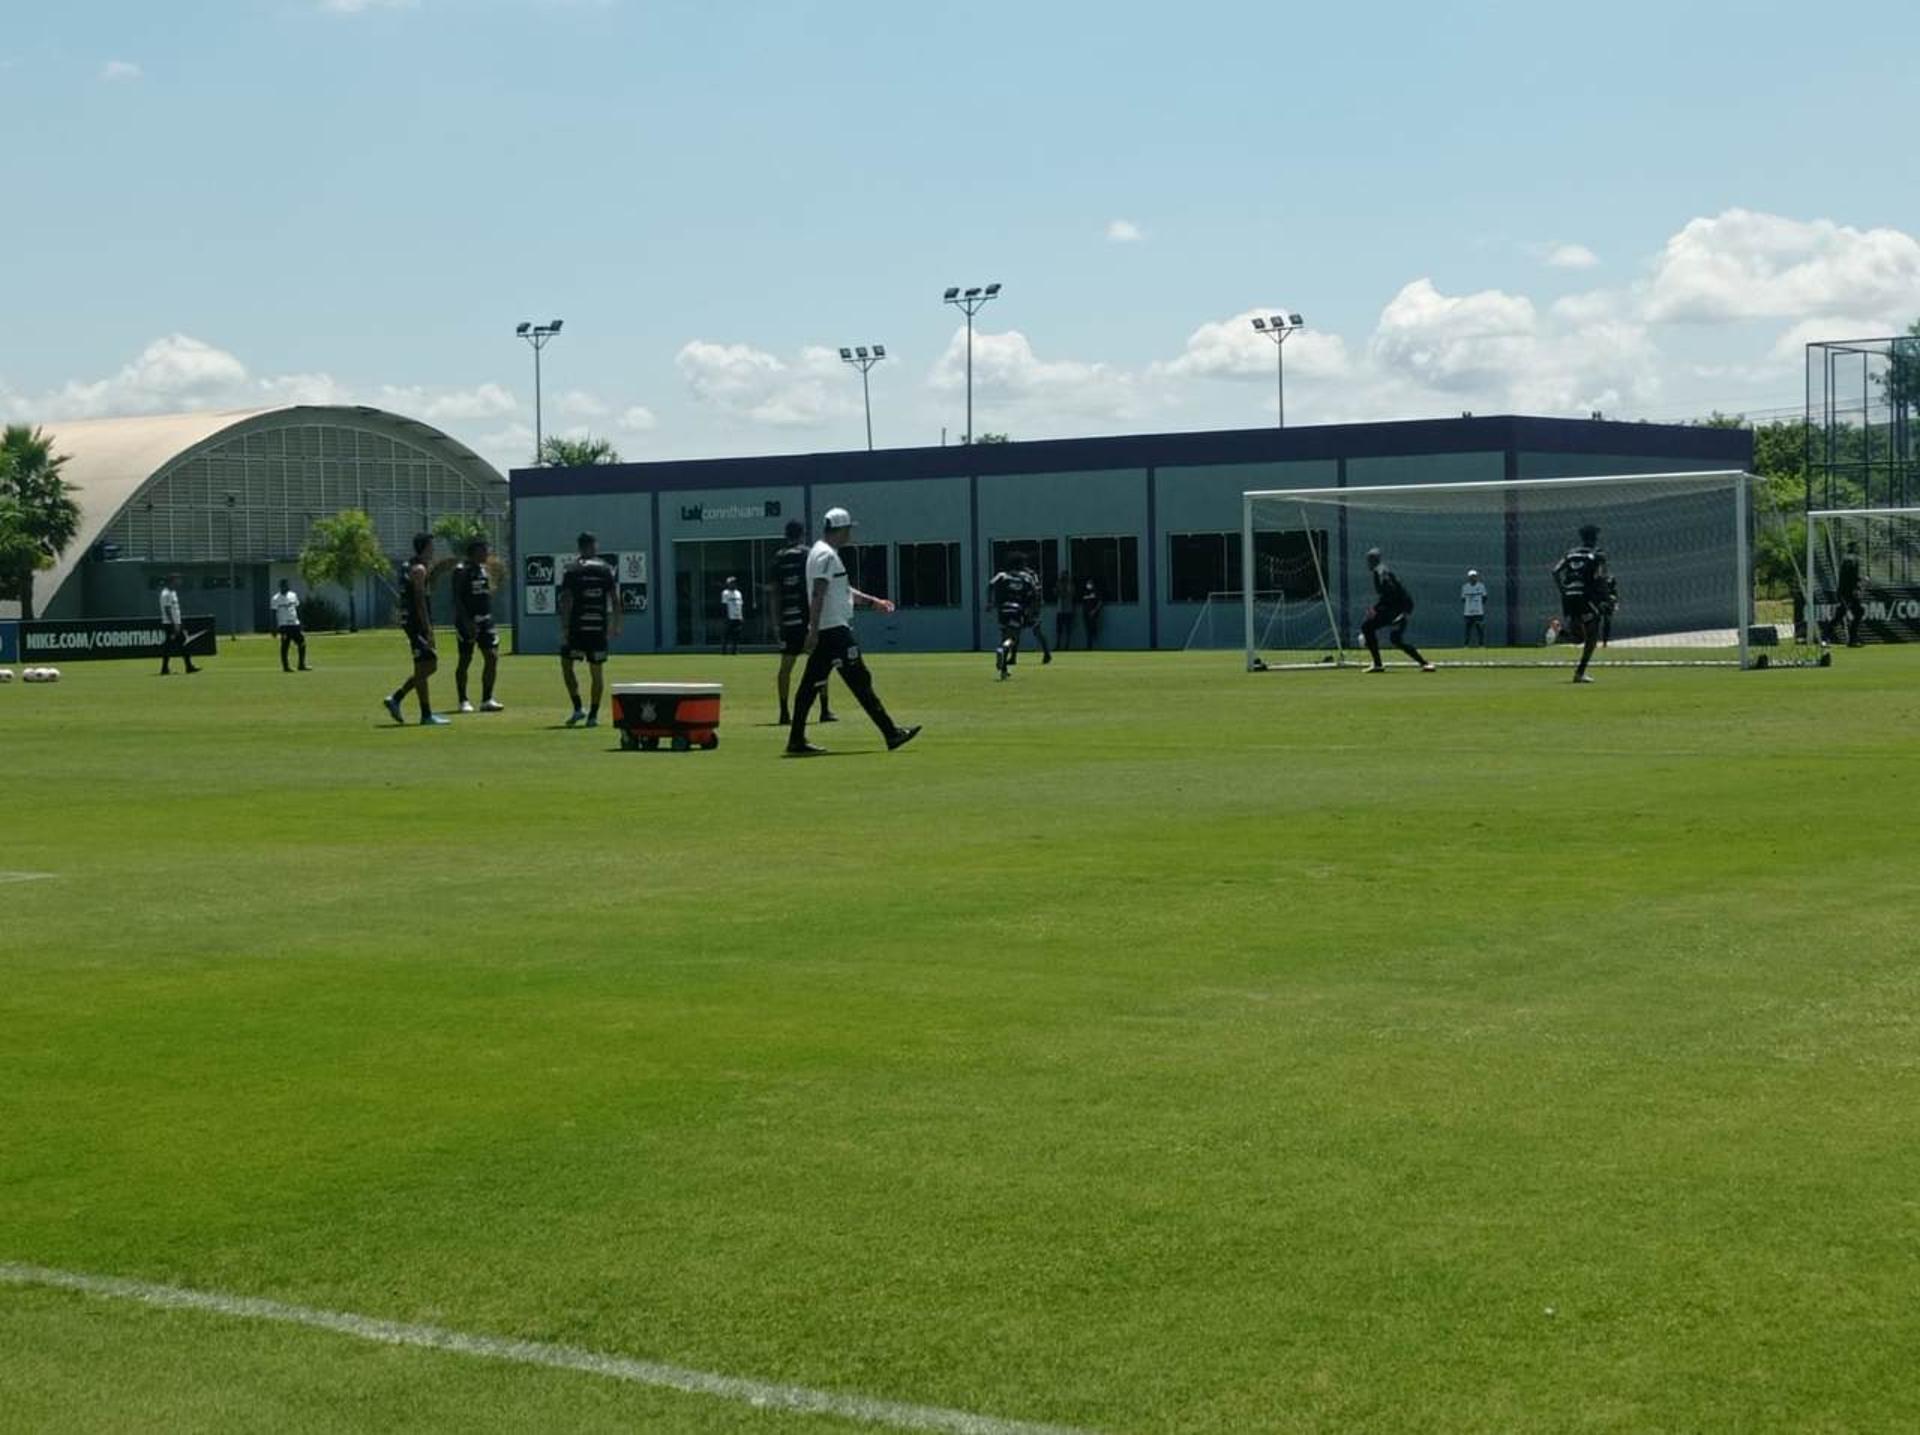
(1892,616)
(729,512)
(110,638)
(541,574)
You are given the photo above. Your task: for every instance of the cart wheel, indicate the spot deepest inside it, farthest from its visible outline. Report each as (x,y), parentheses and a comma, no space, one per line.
(649,744)
(628,742)
(713,741)
(680,744)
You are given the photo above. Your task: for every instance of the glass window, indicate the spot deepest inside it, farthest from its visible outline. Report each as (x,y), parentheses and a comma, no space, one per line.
(929,574)
(1112,564)
(1043,551)
(1203,564)
(867,568)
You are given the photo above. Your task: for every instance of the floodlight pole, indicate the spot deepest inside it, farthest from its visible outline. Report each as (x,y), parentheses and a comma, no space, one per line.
(864,360)
(971,303)
(539,336)
(1279,329)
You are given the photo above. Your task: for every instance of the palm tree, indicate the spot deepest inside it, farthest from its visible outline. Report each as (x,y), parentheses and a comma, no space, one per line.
(583,452)
(38,517)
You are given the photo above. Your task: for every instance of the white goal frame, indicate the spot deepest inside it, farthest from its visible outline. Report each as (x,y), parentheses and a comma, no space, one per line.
(1738,480)
(1814,515)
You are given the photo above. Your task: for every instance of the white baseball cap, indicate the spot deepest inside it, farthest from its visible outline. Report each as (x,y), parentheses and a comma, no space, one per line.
(1473,572)
(838,518)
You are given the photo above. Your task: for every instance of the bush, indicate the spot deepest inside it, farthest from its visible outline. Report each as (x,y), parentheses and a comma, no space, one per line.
(322,615)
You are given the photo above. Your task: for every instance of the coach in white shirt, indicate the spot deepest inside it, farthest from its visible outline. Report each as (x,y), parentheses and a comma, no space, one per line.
(286,618)
(1473,606)
(175,643)
(830,642)
(734,602)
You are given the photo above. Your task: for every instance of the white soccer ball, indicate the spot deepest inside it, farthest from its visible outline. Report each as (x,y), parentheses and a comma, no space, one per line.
(6,675)
(35,675)
(49,675)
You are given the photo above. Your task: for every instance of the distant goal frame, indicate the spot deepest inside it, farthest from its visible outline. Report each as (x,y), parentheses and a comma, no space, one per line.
(1740,482)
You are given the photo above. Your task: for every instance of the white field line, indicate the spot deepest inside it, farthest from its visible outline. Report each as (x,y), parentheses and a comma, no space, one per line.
(6,877)
(762,1395)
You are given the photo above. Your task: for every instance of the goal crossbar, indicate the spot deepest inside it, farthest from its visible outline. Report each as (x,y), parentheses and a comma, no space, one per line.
(1863,512)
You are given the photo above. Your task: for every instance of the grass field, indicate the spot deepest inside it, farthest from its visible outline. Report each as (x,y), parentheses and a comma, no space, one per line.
(1151,1047)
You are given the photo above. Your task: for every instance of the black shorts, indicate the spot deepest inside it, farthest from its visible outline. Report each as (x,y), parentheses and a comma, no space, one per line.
(422,645)
(291,632)
(1012,620)
(482,634)
(735,627)
(1395,623)
(793,642)
(1577,611)
(590,646)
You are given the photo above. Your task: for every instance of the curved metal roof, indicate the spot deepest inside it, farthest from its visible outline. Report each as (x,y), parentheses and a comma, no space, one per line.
(109,461)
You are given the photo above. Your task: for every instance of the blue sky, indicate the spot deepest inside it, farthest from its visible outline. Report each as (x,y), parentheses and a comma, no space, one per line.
(1497,207)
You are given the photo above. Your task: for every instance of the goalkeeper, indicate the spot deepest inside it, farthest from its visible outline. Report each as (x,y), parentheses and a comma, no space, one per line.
(1392,607)
(1585,590)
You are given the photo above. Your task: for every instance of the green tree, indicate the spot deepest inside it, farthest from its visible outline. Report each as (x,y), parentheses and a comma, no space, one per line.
(582,452)
(1900,384)
(994,438)
(38,517)
(342,550)
(457,530)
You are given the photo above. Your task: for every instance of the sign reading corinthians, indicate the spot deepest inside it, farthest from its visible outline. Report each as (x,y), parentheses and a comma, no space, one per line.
(111,638)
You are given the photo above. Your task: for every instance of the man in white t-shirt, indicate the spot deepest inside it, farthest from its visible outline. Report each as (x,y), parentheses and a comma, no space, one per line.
(734,602)
(286,618)
(1473,606)
(830,642)
(175,645)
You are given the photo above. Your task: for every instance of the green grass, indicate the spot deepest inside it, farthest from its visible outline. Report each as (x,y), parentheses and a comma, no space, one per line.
(1151,1047)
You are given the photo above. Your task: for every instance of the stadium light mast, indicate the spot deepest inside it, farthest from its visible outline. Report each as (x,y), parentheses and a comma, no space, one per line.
(233,615)
(539,336)
(1277,328)
(864,360)
(971,301)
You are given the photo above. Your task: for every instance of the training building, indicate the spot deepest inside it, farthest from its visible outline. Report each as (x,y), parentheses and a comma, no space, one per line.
(227,499)
(1153,520)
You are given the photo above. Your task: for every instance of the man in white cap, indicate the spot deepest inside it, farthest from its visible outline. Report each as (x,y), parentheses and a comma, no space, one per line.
(830,642)
(1473,605)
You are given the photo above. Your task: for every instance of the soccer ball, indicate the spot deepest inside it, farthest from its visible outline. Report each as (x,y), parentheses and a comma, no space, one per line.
(32,675)
(49,675)
(6,675)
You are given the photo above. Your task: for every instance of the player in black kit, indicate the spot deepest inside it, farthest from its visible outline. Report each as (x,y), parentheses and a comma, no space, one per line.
(1584,587)
(589,611)
(416,621)
(1036,617)
(1392,607)
(473,625)
(793,603)
(1846,590)
(1012,593)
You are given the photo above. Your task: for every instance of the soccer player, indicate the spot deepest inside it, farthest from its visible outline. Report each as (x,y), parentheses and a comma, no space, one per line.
(286,620)
(473,625)
(1392,607)
(176,640)
(1847,590)
(589,610)
(792,603)
(1609,605)
(734,603)
(1036,615)
(1473,607)
(1009,593)
(1581,577)
(416,619)
(830,642)
(1063,614)
(1090,606)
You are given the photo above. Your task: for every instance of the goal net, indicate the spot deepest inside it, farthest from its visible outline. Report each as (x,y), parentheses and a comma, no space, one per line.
(1863,574)
(1685,587)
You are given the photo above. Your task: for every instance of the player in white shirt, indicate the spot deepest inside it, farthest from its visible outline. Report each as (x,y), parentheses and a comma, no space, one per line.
(286,618)
(1473,607)
(734,602)
(830,642)
(176,640)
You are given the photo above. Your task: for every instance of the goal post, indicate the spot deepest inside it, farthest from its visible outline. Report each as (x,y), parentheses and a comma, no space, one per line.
(1702,569)
(1884,546)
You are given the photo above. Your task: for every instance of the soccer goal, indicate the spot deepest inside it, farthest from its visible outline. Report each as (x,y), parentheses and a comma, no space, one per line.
(1872,555)
(1681,551)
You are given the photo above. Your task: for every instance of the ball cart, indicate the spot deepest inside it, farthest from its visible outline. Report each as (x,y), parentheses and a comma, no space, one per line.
(682,715)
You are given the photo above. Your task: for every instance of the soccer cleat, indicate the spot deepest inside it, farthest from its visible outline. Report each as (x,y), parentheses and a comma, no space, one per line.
(1376,668)
(829,717)
(493,705)
(902,736)
(804,749)
(1428,668)
(594,720)
(435,720)
(1583,677)
(392,705)
(1045,658)
(465,706)
(579,716)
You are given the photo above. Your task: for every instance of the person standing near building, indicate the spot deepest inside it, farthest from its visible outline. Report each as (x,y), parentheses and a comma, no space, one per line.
(830,642)
(589,612)
(1090,606)
(1473,608)
(416,620)
(1063,612)
(1846,590)
(175,643)
(286,621)
(792,603)
(473,625)
(1392,608)
(734,604)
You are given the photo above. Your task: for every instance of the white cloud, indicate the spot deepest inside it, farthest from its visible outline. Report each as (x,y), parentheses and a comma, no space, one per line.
(1453,343)
(1233,349)
(1124,231)
(1572,256)
(483,401)
(115,71)
(638,418)
(1747,265)
(762,388)
(1006,370)
(361,7)
(579,404)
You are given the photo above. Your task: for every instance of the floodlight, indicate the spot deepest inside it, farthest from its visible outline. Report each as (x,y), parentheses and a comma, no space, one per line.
(974,292)
(1298,322)
(1279,321)
(879,351)
(951,294)
(847,354)
(1261,325)
(553,326)
(522,327)
(861,350)
(992,289)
